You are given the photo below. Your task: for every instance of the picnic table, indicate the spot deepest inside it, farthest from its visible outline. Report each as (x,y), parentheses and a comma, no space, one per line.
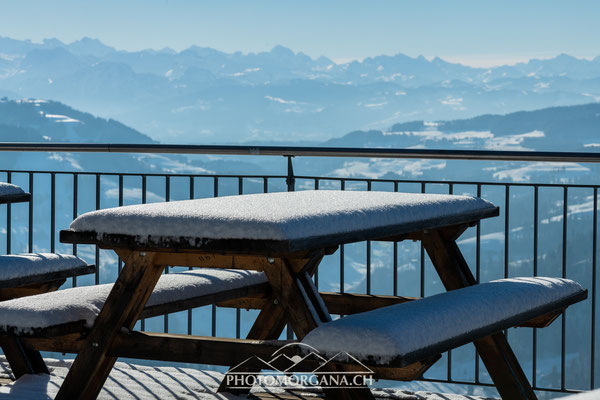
(285,235)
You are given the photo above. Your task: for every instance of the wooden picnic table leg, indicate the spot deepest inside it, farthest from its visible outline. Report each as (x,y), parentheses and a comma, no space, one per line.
(268,325)
(121,310)
(305,310)
(494,350)
(22,360)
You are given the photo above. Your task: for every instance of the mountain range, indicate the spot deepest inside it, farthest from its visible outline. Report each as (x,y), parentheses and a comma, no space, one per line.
(566,128)
(202,95)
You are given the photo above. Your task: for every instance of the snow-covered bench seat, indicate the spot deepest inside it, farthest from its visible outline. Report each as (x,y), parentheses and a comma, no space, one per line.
(76,309)
(27,274)
(402,334)
(10,193)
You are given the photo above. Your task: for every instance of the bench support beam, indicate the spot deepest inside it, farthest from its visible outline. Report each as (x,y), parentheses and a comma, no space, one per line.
(121,310)
(205,350)
(494,350)
(295,290)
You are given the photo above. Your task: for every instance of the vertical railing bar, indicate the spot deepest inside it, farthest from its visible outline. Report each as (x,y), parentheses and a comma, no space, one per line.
(189,312)
(291,179)
(449,367)
(97,254)
(8,218)
(119,261)
(368,267)
(422,283)
(167,198)
(395,272)
(369,184)
(167,188)
(120,190)
(342,187)
(30,233)
(535,228)
(478,244)
(75,206)
(564,275)
(238,316)
(594,249)
(535,273)
(52,212)
(214,307)
(191,188)
(265,184)
(144,189)
(506,227)
(316,276)
(477,274)
(506,233)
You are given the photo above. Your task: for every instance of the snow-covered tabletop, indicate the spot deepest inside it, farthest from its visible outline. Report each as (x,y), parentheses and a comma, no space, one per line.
(401,330)
(301,219)
(12,193)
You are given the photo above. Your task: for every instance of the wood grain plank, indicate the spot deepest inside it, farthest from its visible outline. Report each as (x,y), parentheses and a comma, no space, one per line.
(15,198)
(30,290)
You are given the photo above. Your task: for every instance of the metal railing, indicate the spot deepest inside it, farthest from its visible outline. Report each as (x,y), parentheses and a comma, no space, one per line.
(296,151)
(518,242)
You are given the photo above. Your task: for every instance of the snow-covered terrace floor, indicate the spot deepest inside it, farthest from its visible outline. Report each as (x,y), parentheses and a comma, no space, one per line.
(131,381)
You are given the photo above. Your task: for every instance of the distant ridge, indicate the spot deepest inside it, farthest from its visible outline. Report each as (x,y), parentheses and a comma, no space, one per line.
(565,128)
(203,95)
(32,120)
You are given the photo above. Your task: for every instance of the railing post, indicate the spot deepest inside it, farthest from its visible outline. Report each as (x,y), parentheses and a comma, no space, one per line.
(291,186)
(290,180)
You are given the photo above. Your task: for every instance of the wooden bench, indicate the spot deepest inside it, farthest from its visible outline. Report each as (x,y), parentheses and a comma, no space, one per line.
(67,315)
(401,335)
(30,274)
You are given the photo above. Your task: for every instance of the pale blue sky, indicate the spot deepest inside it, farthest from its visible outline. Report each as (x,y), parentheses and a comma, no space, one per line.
(473,31)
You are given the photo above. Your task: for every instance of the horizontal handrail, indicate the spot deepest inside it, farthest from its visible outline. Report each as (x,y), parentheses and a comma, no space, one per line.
(303,177)
(303,151)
